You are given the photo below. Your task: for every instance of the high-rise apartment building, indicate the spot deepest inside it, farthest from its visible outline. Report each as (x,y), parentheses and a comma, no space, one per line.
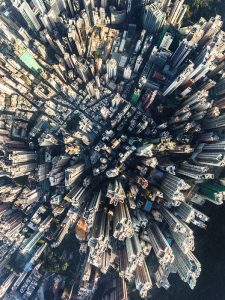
(166,41)
(177,13)
(111,67)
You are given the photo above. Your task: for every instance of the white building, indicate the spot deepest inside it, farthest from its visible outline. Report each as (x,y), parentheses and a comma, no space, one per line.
(166,41)
(127,72)
(111,67)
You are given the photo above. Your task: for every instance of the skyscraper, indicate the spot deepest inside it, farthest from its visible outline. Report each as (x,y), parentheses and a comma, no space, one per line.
(111,67)
(41,5)
(153,18)
(166,41)
(84,153)
(89,6)
(177,12)
(28,14)
(181,53)
(220,87)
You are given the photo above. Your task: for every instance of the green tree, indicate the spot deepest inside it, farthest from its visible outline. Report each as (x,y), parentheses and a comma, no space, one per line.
(41,242)
(188,13)
(201,3)
(65,266)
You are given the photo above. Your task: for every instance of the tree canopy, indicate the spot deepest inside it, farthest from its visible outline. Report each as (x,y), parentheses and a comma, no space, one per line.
(202,3)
